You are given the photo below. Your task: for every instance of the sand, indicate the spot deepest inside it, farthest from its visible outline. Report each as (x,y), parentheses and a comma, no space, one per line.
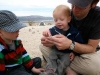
(30,37)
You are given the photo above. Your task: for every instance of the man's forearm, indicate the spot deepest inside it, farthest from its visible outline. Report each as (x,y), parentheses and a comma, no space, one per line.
(83,49)
(86,48)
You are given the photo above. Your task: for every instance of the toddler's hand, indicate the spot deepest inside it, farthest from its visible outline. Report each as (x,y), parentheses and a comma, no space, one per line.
(46,33)
(72,56)
(37,70)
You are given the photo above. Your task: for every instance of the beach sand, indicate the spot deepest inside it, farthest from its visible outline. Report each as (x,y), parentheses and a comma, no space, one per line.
(30,37)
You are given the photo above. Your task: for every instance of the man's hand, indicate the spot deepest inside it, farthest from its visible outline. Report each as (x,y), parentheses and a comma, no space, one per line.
(60,41)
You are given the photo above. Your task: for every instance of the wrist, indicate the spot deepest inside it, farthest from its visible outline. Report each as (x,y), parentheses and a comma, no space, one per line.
(72,46)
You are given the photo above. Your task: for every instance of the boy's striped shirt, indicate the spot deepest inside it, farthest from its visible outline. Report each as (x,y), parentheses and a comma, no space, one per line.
(10,58)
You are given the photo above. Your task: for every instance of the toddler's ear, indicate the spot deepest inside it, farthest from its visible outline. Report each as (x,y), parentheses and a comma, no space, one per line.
(69,19)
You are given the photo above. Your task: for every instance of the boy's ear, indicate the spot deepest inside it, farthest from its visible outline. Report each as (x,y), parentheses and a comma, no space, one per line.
(69,19)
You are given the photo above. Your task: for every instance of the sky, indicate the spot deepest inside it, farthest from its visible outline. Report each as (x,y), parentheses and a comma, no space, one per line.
(32,7)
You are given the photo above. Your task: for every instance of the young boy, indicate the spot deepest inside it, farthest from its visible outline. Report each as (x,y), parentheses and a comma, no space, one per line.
(58,60)
(14,59)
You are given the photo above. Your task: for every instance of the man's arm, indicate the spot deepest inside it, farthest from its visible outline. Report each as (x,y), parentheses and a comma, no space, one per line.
(90,47)
(61,42)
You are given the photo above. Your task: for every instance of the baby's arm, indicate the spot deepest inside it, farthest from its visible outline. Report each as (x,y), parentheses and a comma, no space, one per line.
(46,33)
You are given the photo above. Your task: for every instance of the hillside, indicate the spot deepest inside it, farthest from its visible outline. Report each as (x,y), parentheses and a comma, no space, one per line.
(34,18)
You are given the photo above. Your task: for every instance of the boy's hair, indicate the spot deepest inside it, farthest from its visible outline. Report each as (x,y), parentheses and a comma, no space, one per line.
(9,21)
(62,8)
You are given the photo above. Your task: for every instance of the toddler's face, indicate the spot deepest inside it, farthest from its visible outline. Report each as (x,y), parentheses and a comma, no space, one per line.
(61,21)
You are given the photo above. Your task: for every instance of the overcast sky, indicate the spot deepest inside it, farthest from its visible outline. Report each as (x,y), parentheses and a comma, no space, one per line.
(32,7)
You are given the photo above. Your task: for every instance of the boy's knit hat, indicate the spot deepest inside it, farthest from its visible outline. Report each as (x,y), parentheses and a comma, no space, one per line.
(9,21)
(80,3)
